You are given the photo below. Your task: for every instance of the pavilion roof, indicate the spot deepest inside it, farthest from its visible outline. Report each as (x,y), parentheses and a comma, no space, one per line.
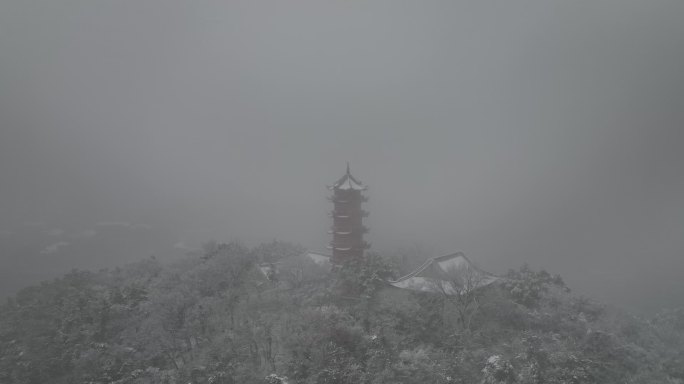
(446,274)
(311,263)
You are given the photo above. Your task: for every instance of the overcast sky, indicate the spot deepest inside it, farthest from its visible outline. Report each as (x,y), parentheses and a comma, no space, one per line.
(546,132)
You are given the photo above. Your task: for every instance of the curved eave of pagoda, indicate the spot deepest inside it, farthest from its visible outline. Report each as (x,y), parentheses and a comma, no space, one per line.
(345,247)
(348,182)
(344,232)
(346,187)
(362,213)
(346,200)
(340,248)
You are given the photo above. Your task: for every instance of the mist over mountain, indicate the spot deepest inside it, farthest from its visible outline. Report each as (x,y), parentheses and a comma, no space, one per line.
(35,252)
(538,132)
(175,208)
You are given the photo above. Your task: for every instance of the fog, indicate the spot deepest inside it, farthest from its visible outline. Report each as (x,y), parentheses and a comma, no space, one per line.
(540,132)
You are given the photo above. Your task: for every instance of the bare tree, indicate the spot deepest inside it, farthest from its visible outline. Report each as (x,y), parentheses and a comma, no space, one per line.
(461,286)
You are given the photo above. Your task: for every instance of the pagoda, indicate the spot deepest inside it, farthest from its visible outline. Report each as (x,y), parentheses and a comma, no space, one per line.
(347,229)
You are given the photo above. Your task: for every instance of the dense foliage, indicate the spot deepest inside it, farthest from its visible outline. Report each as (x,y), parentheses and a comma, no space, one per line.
(215,318)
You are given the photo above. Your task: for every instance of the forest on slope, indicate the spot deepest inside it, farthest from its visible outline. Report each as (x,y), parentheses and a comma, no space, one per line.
(214,318)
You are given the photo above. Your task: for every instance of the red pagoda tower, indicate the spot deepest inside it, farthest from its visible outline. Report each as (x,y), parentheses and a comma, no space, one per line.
(347,228)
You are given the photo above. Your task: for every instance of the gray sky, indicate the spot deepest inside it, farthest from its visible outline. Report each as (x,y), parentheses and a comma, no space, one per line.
(546,132)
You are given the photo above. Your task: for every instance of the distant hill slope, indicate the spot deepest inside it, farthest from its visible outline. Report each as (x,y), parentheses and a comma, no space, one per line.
(33,253)
(215,318)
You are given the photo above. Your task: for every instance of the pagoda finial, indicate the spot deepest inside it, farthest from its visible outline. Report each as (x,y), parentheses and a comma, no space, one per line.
(348,173)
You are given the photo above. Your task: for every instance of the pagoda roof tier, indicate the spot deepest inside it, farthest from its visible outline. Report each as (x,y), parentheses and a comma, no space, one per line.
(345,215)
(345,247)
(347,199)
(341,216)
(347,231)
(348,183)
(361,213)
